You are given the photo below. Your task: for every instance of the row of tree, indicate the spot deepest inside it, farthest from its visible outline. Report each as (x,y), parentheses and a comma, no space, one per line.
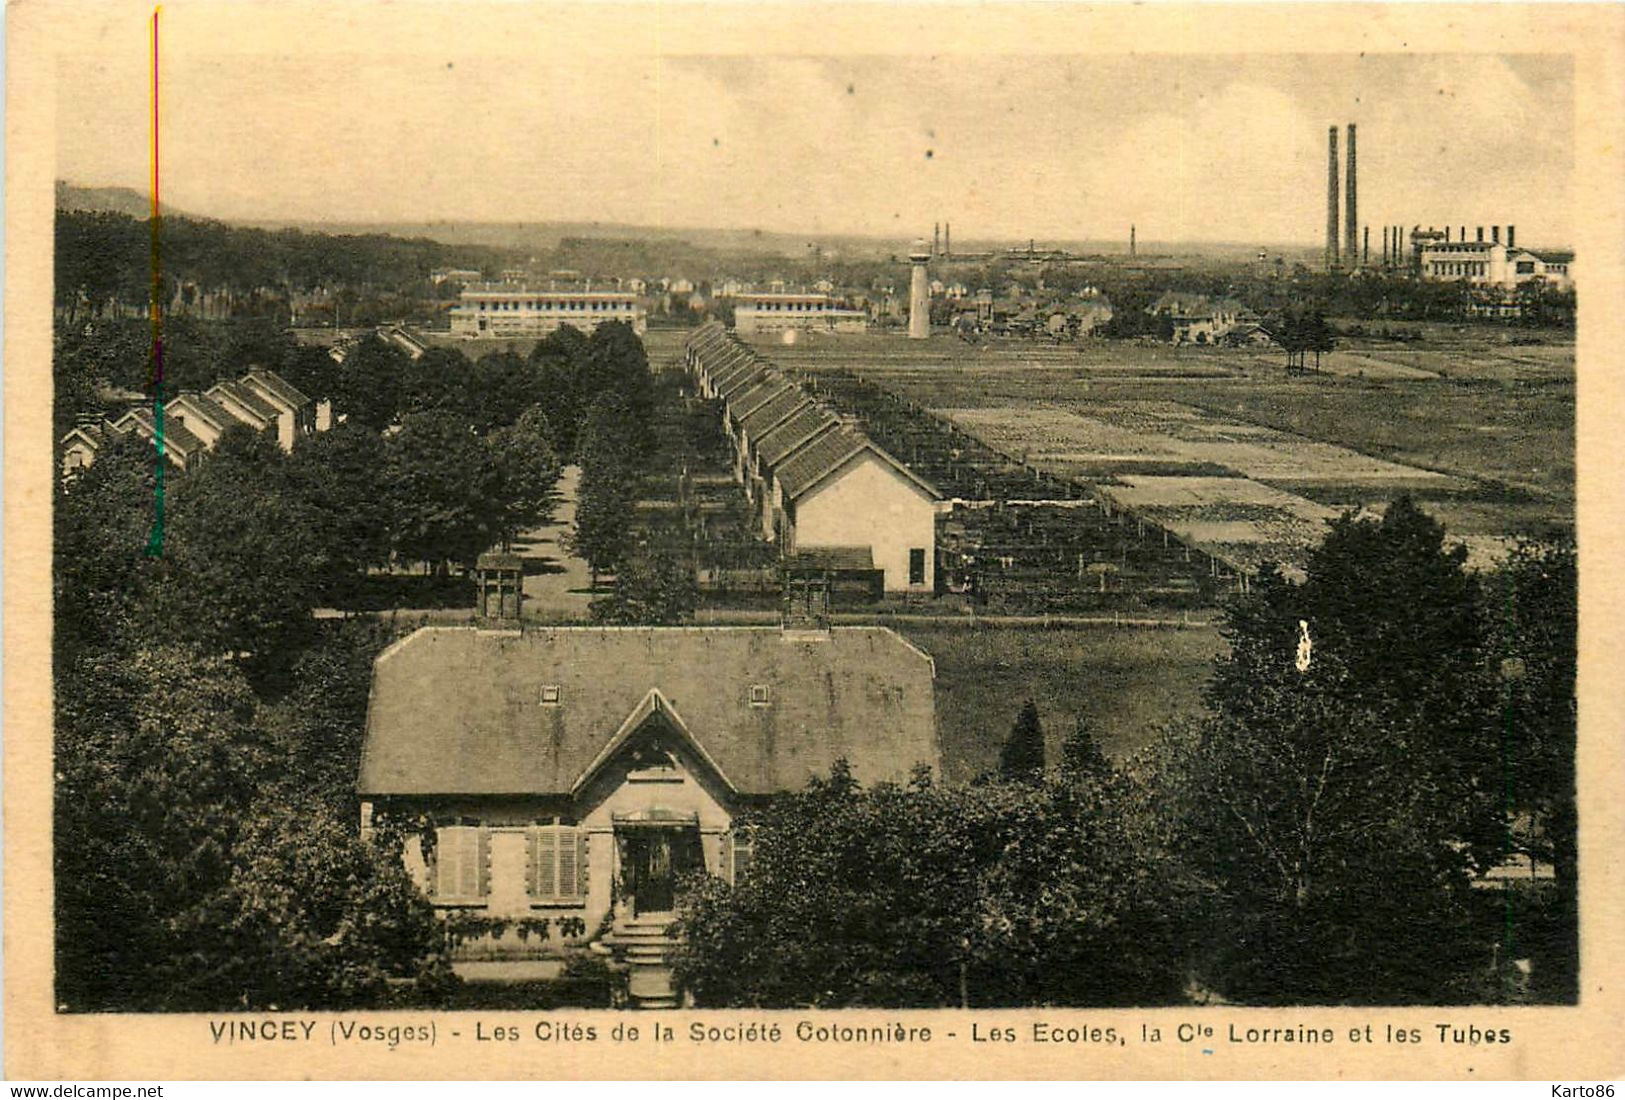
(1377,735)
(104,263)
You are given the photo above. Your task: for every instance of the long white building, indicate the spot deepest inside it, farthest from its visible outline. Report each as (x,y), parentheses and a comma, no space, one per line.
(496,311)
(770,313)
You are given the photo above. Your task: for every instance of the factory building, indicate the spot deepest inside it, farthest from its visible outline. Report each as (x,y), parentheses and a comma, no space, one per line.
(1495,262)
(495,311)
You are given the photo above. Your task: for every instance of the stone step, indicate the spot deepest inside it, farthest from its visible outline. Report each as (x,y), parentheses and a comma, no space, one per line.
(657,1003)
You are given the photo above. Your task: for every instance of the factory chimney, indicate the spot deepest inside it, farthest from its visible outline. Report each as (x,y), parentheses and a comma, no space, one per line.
(936,238)
(1495,234)
(1331,199)
(1351,214)
(1131,242)
(1447,234)
(1512,236)
(1365,249)
(947,239)
(1481,234)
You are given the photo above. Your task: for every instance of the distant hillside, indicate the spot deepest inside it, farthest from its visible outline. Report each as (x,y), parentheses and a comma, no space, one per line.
(110,200)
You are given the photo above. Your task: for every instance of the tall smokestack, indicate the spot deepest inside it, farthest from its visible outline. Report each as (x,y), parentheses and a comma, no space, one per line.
(1447,234)
(1351,215)
(1365,250)
(947,238)
(1131,241)
(1512,237)
(1481,234)
(1331,199)
(1495,234)
(1385,246)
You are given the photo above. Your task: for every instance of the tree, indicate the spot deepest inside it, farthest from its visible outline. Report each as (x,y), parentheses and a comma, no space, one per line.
(312,916)
(1022,757)
(101,524)
(1081,756)
(368,388)
(1338,798)
(1533,635)
(608,488)
(157,762)
(658,589)
(527,469)
(340,478)
(242,557)
(921,895)
(445,489)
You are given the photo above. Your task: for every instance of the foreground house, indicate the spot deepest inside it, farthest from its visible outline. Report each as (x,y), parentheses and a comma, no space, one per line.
(564,779)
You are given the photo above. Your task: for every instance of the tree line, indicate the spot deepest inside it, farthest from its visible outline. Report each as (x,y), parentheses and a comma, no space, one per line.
(1378,735)
(104,263)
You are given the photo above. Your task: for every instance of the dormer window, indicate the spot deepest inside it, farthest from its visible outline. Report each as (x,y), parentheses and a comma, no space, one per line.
(550,695)
(759,696)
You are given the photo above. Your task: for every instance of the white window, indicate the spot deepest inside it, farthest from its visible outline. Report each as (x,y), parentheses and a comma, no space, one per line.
(557,864)
(461,873)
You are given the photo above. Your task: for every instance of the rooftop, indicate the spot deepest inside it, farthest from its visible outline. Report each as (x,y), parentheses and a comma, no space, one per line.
(455,710)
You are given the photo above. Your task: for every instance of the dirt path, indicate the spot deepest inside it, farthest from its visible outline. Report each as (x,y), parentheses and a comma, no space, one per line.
(556,581)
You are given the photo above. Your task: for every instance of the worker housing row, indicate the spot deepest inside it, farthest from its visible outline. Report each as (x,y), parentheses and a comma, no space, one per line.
(189,425)
(819,487)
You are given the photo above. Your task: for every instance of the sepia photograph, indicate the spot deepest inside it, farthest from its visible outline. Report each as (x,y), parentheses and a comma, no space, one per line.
(548,518)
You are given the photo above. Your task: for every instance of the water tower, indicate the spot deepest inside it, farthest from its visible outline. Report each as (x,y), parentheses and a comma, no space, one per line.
(919,293)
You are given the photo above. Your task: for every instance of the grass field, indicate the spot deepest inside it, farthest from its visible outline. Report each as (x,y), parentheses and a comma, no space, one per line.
(1480,429)
(1127,681)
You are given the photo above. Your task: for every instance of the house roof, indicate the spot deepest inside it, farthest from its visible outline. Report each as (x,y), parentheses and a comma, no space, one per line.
(737,381)
(728,361)
(835,559)
(813,464)
(176,437)
(773,412)
(455,710)
(268,382)
(225,392)
(779,443)
(94,433)
(205,408)
(818,459)
(754,397)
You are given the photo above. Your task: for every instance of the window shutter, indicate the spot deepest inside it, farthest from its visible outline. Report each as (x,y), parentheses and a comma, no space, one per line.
(581,862)
(468,870)
(567,861)
(533,859)
(546,865)
(482,861)
(744,851)
(445,863)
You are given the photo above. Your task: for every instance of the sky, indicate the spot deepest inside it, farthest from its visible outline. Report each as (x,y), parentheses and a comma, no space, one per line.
(1056,147)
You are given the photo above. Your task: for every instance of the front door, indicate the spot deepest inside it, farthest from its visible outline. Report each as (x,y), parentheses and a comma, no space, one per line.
(656,890)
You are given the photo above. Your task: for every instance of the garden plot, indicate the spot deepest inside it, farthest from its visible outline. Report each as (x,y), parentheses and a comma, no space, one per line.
(1130,433)
(1241,522)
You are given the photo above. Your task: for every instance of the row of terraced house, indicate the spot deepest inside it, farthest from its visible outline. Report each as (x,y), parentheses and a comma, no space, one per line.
(820,488)
(191,423)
